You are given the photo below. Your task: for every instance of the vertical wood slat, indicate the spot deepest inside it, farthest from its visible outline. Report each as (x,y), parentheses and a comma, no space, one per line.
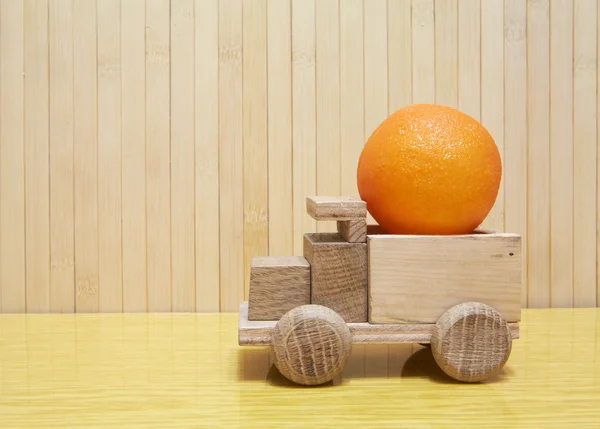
(303,116)
(585,153)
(352,133)
(133,247)
(399,54)
(133,242)
(110,71)
(376,65)
(37,222)
(492,92)
(538,177)
(85,157)
(515,126)
(597,160)
(561,153)
(207,155)
(327,47)
(154,226)
(279,122)
(256,227)
(423,51)
(469,57)
(230,154)
(62,240)
(183,260)
(446,52)
(12,160)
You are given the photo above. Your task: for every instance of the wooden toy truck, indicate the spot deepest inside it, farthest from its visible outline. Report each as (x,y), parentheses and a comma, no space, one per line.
(460,293)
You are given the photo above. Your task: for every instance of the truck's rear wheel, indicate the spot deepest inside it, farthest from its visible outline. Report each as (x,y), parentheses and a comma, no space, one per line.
(311,344)
(471,342)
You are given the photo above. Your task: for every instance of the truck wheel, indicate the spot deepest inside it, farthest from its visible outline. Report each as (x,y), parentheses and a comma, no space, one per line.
(471,342)
(311,344)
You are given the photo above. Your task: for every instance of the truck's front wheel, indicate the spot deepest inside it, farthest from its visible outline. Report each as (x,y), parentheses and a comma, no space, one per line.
(311,344)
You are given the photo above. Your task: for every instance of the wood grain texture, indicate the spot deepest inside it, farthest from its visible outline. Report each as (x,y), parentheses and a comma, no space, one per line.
(311,345)
(12,159)
(256,206)
(206,154)
(469,57)
(37,186)
(446,52)
(183,182)
(338,274)
(85,147)
(376,64)
(353,231)
(231,155)
(423,51)
(304,156)
(375,67)
(399,54)
(279,123)
(597,161)
(584,153)
(60,75)
(471,342)
(258,332)
(154,155)
(561,153)
(538,138)
(352,97)
(492,93)
(327,50)
(335,208)
(183,369)
(415,279)
(111,85)
(277,284)
(515,126)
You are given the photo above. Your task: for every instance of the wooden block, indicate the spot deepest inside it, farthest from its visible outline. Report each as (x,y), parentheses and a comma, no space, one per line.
(353,231)
(258,333)
(415,279)
(338,274)
(277,284)
(336,208)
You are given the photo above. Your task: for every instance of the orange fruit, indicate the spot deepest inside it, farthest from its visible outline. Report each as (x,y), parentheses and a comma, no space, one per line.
(429,169)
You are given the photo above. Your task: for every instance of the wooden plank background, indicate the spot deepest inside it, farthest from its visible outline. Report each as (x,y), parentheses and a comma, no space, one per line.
(150,148)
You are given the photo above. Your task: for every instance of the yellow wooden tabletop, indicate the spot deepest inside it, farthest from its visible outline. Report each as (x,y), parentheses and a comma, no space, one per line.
(187,371)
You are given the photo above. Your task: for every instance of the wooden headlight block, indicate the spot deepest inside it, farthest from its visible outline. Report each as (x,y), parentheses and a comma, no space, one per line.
(277,284)
(415,279)
(338,274)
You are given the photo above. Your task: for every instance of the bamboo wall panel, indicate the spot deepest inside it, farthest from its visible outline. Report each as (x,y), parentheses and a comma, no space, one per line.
(150,148)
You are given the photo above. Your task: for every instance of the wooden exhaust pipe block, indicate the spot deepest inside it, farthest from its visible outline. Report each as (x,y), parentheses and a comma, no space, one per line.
(277,284)
(353,231)
(338,274)
(350,214)
(336,208)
